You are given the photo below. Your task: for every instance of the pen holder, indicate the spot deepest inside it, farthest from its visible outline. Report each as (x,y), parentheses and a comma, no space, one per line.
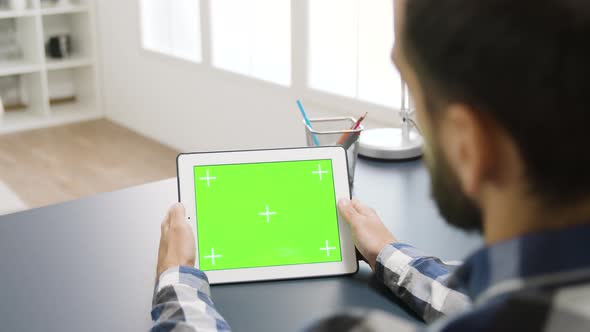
(332,132)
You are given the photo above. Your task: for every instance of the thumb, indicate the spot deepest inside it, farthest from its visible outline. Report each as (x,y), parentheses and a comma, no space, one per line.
(347,210)
(177,213)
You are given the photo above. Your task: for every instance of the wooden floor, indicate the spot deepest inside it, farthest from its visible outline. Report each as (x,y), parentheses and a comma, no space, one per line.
(58,164)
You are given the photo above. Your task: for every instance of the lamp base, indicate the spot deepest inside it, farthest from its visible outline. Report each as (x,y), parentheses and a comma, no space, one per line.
(388,144)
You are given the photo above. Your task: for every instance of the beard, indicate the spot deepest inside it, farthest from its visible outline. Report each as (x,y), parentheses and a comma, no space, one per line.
(453,204)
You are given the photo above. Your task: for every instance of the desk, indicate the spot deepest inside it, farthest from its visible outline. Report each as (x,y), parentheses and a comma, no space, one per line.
(88,265)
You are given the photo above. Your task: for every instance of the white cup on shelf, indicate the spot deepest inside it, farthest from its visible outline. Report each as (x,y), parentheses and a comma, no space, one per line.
(18,5)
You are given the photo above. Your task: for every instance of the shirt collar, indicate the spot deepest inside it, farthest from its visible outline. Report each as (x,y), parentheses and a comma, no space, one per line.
(530,256)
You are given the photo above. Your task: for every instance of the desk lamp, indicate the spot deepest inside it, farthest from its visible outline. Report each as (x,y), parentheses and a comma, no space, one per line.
(394,143)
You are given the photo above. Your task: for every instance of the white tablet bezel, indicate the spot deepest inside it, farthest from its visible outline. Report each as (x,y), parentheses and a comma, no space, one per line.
(186,191)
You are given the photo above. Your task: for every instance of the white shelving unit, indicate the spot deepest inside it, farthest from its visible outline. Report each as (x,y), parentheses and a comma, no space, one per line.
(53,91)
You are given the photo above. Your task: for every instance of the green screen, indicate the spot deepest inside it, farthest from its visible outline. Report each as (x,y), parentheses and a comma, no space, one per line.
(266,214)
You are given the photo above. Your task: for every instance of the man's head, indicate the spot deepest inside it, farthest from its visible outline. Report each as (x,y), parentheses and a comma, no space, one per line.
(502,91)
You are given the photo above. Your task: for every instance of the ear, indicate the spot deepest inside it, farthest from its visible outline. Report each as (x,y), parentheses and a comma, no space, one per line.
(468,145)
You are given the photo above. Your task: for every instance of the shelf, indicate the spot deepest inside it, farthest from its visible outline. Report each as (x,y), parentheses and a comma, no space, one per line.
(72,62)
(21,120)
(6,13)
(59,115)
(71,112)
(41,79)
(64,10)
(18,67)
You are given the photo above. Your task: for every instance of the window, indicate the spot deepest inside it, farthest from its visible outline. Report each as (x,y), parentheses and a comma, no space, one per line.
(252,38)
(349,51)
(348,43)
(172,27)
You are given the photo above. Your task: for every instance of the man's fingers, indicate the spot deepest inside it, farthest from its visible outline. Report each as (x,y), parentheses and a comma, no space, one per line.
(360,257)
(347,210)
(165,224)
(177,215)
(361,208)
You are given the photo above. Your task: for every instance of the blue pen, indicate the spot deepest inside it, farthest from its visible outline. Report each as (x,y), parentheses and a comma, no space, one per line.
(315,139)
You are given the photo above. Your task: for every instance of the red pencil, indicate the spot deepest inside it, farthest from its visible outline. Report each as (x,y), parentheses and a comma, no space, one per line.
(354,127)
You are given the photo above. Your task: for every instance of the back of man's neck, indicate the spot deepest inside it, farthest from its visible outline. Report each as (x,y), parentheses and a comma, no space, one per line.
(518,218)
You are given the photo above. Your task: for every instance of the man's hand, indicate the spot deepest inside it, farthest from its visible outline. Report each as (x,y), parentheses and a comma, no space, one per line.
(177,243)
(369,233)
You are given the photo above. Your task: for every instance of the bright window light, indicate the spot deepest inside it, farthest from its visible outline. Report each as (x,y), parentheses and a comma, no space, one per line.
(350,44)
(172,27)
(252,38)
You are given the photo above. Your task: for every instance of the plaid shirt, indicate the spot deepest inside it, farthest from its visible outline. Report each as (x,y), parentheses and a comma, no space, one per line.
(536,282)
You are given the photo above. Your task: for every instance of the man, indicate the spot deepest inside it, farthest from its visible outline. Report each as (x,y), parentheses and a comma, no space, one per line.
(502,94)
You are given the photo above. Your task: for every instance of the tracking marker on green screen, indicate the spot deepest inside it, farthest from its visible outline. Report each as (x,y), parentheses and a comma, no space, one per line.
(266,214)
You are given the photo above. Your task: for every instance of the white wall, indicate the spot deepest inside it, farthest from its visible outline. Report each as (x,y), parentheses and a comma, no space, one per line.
(188,106)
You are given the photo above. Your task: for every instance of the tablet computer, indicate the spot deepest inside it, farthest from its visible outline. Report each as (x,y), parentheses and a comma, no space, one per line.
(267,214)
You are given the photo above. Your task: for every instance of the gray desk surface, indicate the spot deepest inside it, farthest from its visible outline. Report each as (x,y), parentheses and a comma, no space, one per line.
(88,265)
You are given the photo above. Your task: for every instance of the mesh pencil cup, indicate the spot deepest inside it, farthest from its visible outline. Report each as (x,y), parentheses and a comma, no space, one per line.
(330,131)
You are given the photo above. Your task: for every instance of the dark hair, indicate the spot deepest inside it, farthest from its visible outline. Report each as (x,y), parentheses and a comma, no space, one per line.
(524,63)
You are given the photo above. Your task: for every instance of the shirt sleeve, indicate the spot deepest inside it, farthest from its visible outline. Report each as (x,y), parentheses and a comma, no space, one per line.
(420,281)
(182,302)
